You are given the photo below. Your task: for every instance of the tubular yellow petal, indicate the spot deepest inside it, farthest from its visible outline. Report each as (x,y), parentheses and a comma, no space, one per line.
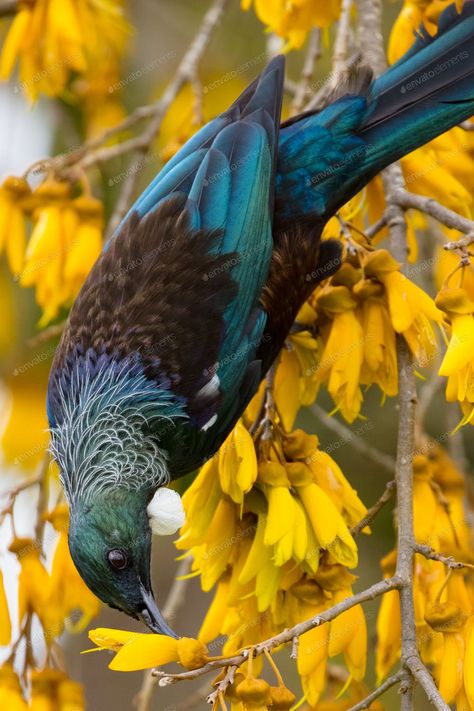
(469,661)
(286,389)
(313,648)
(237,463)
(388,634)
(109,638)
(461,345)
(15,247)
(212,623)
(281,513)
(13,42)
(5,624)
(259,553)
(145,651)
(451,666)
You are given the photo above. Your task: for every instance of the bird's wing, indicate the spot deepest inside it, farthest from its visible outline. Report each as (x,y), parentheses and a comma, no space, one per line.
(180,281)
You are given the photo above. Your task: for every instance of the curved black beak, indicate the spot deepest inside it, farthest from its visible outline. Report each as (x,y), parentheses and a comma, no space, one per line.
(151,615)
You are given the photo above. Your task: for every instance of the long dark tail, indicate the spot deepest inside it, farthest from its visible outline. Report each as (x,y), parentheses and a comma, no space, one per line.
(327,157)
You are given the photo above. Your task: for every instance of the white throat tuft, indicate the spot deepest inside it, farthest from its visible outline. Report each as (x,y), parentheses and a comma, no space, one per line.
(165,512)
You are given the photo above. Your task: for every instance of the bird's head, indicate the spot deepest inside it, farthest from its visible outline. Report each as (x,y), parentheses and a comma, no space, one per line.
(110,543)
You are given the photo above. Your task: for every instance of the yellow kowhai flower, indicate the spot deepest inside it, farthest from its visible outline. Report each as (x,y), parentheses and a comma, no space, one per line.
(293,19)
(68,591)
(296,382)
(426,506)
(458,362)
(5,624)
(277,551)
(52,38)
(411,310)
(403,30)
(11,697)
(98,95)
(237,463)
(70,696)
(358,314)
(64,244)
(14,194)
(25,446)
(34,588)
(341,361)
(44,689)
(87,243)
(137,650)
(387,651)
(448,619)
(468,676)
(380,355)
(425,174)
(447,262)
(412,15)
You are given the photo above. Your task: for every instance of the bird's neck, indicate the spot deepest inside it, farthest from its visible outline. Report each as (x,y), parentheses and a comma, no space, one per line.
(104,430)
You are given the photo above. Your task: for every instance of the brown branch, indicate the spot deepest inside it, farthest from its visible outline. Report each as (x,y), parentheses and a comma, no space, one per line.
(387,684)
(379,588)
(223,684)
(341,43)
(370,12)
(425,680)
(432,207)
(347,435)
(448,560)
(374,510)
(374,229)
(313,53)
(186,72)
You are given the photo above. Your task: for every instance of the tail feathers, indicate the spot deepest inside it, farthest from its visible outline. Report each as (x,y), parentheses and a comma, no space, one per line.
(428,91)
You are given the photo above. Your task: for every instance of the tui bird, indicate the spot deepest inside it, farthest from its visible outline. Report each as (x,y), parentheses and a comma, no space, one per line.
(191,300)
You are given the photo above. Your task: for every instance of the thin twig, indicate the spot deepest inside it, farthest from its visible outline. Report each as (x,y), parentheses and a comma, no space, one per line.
(313,53)
(347,435)
(341,43)
(186,72)
(448,560)
(223,684)
(374,510)
(370,13)
(387,684)
(379,588)
(435,209)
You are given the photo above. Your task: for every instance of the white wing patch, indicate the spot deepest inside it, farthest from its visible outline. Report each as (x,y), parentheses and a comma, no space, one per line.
(165,512)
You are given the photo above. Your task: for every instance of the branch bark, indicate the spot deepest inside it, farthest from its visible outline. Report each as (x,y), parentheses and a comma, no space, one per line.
(372,42)
(288,635)
(387,684)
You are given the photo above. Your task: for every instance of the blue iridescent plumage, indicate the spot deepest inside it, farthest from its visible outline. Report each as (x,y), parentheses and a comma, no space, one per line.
(192,299)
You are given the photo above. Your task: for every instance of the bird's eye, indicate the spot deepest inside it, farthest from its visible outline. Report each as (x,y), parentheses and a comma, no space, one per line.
(117,558)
